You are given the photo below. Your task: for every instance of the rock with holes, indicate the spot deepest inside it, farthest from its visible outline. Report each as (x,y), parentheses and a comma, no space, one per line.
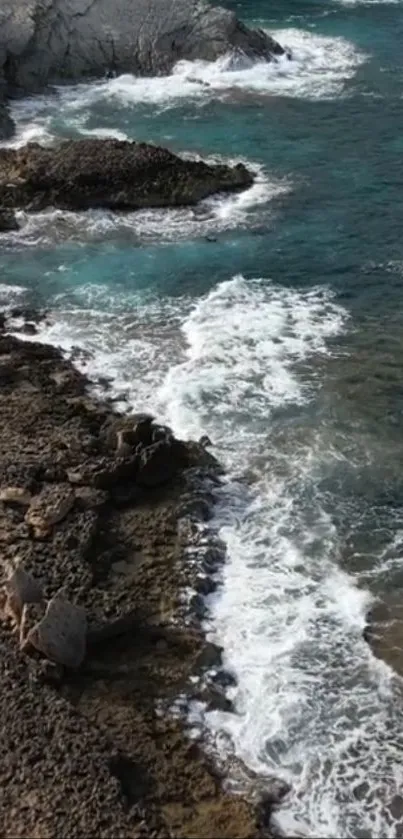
(49,508)
(109,174)
(60,635)
(20,588)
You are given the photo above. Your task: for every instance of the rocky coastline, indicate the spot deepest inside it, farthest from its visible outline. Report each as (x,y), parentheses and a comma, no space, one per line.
(108,174)
(86,749)
(47,42)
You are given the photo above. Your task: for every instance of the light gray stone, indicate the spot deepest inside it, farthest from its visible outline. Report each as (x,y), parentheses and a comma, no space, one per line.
(50,41)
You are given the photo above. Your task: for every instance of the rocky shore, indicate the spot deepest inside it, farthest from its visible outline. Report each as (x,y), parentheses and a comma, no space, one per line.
(45,42)
(84,174)
(99,509)
(54,41)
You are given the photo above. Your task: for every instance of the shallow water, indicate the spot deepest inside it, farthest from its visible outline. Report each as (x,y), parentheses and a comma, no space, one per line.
(282,339)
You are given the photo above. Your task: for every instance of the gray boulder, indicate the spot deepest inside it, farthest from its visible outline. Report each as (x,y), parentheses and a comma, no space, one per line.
(50,41)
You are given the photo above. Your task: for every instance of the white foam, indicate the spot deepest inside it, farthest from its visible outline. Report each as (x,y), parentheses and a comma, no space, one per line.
(10,295)
(210,217)
(316,67)
(125,338)
(313,705)
(244,340)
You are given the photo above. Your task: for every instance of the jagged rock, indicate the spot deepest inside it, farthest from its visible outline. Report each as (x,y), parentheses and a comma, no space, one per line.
(48,508)
(8,221)
(159,463)
(113,174)
(19,589)
(131,429)
(197,506)
(60,635)
(205,441)
(50,41)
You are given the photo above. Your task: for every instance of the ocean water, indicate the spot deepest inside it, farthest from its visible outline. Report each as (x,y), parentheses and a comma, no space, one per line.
(271,320)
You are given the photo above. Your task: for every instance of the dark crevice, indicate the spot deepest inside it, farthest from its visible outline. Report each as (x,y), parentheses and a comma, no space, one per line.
(133,778)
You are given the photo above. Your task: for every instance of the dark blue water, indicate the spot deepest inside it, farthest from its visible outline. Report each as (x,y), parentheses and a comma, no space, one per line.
(273,321)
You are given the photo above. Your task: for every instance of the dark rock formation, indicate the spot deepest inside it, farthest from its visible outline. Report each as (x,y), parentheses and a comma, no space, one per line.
(6,123)
(47,41)
(8,221)
(81,174)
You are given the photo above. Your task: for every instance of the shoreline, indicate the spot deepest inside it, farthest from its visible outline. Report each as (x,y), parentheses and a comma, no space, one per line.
(95,753)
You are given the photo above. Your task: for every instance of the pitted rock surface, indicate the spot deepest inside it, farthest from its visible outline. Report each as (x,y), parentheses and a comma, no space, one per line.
(60,634)
(48,508)
(90,753)
(19,588)
(107,173)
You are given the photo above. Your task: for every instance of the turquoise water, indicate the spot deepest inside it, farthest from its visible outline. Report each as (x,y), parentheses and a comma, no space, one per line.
(272,321)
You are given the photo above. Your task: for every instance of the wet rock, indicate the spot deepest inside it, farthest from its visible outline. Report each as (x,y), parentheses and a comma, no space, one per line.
(8,221)
(145,38)
(158,464)
(224,679)
(216,699)
(205,586)
(198,606)
(197,506)
(205,441)
(85,174)
(384,630)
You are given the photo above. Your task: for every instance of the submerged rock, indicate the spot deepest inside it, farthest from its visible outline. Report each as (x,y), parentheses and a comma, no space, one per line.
(84,174)
(48,41)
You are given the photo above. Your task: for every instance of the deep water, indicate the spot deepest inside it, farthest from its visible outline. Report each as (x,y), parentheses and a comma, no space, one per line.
(272,321)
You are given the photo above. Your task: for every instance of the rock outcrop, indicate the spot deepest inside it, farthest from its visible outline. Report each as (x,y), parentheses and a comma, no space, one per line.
(48,41)
(89,752)
(83,174)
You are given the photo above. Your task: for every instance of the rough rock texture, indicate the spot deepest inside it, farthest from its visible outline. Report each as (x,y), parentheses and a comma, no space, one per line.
(80,174)
(45,41)
(89,753)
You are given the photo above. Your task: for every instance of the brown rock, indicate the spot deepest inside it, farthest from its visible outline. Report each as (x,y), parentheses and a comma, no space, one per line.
(15,495)
(48,508)
(81,174)
(20,588)
(61,634)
